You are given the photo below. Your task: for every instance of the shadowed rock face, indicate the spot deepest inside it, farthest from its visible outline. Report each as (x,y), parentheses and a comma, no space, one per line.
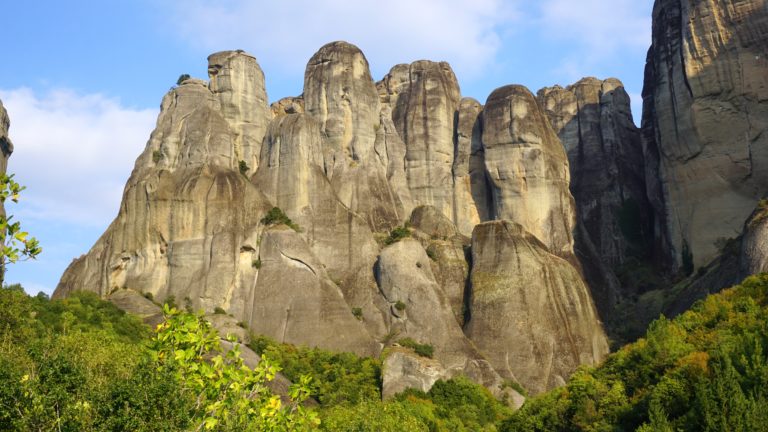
(704,121)
(531,313)
(594,123)
(528,168)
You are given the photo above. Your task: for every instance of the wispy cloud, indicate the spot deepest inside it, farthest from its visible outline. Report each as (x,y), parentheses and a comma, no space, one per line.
(286,34)
(74,152)
(596,30)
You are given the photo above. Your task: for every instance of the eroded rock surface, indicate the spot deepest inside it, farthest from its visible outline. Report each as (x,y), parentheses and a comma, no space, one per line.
(532,316)
(528,168)
(704,121)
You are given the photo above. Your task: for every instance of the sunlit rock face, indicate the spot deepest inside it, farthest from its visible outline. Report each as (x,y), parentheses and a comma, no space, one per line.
(348,161)
(531,313)
(527,168)
(704,121)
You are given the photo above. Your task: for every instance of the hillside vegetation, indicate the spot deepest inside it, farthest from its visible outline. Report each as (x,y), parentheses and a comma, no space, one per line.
(80,364)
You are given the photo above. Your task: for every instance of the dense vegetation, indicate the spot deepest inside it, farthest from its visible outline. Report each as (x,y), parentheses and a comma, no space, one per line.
(706,370)
(82,364)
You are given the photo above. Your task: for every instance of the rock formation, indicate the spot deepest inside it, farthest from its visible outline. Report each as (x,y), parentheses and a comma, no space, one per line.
(528,168)
(5,142)
(704,122)
(531,313)
(594,122)
(281,215)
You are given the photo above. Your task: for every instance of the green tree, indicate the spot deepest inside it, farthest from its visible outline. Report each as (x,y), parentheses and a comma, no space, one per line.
(228,394)
(15,244)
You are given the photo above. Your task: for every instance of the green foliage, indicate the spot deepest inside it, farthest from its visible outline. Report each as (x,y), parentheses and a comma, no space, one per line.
(219,311)
(275,216)
(357,312)
(337,378)
(399,305)
(182,78)
(706,370)
(397,234)
(15,244)
(243,167)
(424,350)
(228,395)
(157,156)
(514,385)
(431,253)
(256,263)
(170,301)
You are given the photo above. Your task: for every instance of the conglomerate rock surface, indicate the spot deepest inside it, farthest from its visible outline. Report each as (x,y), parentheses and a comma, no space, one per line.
(347,162)
(704,122)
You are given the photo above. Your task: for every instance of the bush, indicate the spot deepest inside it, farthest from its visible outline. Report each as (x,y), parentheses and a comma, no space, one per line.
(399,305)
(423,350)
(275,216)
(397,234)
(337,378)
(182,78)
(431,253)
(157,156)
(357,312)
(256,263)
(243,167)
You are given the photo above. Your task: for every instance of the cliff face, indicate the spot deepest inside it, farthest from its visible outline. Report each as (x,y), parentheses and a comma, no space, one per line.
(347,162)
(704,122)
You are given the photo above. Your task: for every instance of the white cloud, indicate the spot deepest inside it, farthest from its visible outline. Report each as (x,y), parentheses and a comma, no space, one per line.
(73,152)
(286,34)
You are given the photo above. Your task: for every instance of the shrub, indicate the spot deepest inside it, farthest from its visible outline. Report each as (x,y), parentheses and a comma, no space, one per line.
(357,312)
(276,217)
(243,166)
(256,264)
(424,350)
(170,301)
(182,78)
(431,253)
(157,156)
(397,234)
(400,306)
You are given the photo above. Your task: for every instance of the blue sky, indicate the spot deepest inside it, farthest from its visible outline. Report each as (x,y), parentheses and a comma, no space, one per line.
(82,80)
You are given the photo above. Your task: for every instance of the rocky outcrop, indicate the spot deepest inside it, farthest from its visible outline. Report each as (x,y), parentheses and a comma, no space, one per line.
(594,122)
(528,168)
(281,216)
(753,256)
(471,193)
(295,301)
(341,95)
(237,83)
(704,121)
(6,146)
(404,369)
(424,97)
(532,316)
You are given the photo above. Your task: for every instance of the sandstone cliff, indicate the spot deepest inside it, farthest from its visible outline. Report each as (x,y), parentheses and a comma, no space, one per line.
(5,142)
(704,122)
